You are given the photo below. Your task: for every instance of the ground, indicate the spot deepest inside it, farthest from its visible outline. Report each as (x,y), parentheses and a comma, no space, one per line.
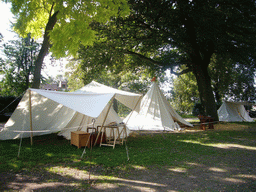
(227,174)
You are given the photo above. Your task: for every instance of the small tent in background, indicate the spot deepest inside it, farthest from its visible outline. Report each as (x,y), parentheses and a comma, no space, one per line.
(46,112)
(233,111)
(155,113)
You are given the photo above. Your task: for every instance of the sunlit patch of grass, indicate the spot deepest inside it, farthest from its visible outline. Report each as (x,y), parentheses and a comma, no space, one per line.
(221,145)
(139,167)
(216,169)
(178,169)
(49,154)
(247,176)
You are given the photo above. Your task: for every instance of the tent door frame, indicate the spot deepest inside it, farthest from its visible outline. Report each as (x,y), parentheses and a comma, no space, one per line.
(100,131)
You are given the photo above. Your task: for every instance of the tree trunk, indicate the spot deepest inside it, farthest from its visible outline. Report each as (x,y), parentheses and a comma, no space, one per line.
(217,93)
(43,51)
(205,89)
(199,62)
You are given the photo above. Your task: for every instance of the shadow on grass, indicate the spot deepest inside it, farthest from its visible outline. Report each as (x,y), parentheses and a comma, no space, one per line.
(202,161)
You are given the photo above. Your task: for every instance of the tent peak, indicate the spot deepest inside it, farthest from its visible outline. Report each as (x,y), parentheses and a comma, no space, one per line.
(153,79)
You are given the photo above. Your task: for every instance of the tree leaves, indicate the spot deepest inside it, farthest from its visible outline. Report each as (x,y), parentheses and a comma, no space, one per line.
(74,18)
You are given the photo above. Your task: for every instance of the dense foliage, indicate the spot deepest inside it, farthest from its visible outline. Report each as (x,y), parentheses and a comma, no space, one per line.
(230,81)
(17,65)
(184,93)
(170,33)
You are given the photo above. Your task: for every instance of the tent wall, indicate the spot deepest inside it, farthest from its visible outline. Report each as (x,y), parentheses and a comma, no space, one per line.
(46,115)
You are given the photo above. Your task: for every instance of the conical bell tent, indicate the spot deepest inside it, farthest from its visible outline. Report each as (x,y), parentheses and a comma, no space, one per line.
(155,113)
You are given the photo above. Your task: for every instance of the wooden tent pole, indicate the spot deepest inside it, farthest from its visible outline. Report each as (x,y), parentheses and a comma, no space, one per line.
(134,108)
(111,102)
(30,117)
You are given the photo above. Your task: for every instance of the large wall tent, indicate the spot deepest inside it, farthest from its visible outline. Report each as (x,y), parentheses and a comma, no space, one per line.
(233,111)
(45,112)
(155,113)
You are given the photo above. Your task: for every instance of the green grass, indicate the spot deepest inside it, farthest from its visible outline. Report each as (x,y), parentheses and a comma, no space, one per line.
(218,155)
(187,115)
(144,150)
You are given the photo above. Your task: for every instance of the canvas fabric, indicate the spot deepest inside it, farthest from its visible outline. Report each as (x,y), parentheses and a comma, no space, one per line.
(63,112)
(127,98)
(154,113)
(233,111)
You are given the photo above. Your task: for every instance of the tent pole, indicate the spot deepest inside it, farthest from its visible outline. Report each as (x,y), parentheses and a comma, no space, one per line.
(30,117)
(134,108)
(111,102)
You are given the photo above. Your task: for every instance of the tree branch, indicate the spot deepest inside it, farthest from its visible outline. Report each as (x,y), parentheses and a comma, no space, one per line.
(50,14)
(182,72)
(157,62)
(143,57)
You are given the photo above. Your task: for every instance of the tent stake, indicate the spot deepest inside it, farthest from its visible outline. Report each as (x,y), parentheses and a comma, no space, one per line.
(20,145)
(30,117)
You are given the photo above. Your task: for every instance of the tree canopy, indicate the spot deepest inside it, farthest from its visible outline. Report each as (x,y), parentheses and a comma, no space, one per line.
(170,33)
(64,25)
(230,81)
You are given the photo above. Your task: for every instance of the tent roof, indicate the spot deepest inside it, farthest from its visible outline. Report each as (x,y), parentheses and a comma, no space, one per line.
(90,104)
(127,98)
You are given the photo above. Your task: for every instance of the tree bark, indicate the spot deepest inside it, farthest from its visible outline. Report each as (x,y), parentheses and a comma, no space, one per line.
(205,90)
(43,51)
(199,61)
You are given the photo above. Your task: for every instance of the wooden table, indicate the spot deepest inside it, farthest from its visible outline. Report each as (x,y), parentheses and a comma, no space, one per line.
(115,135)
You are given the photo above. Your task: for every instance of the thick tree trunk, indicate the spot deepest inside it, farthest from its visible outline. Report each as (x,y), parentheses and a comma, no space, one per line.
(205,89)
(199,61)
(43,51)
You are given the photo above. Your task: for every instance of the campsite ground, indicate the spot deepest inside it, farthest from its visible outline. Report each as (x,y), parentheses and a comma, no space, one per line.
(214,160)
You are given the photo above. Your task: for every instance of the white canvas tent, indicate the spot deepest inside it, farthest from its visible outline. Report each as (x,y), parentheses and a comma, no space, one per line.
(233,111)
(154,113)
(46,112)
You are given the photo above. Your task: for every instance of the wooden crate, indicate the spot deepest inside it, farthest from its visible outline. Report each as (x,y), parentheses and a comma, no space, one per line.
(79,138)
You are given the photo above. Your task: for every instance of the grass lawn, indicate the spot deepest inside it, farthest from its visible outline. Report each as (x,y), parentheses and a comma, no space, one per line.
(210,160)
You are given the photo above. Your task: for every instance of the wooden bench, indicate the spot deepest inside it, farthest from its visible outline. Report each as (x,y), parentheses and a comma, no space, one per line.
(205,121)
